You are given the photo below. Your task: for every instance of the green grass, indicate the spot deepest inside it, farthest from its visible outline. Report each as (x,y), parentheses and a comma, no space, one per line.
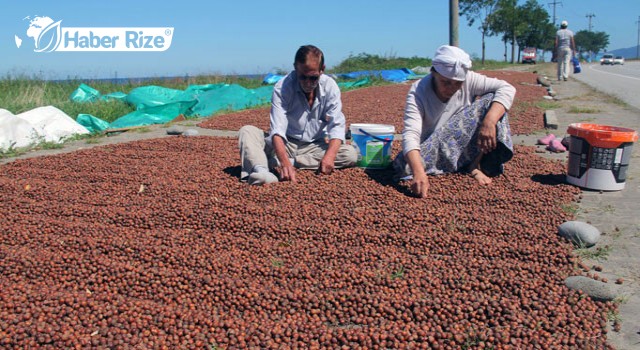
(48,145)
(598,254)
(613,316)
(93,141)
(571,208)
(37,144)
(21,94)
(490,64)
(586,110)
(142,130)
(275,262)
(615,100)
(545,104)
(621,299)
(366,61)
(11,152)
(399,273)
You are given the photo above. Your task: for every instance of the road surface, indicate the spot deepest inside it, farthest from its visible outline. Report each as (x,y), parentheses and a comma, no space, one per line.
(622,81)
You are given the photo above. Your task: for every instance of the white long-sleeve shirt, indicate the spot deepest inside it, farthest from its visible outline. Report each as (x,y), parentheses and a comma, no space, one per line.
(424,112)
(291,116)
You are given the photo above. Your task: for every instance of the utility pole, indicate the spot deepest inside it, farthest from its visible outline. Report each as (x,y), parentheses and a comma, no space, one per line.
(638,46)
(590,16)
(453,23)
(554,3)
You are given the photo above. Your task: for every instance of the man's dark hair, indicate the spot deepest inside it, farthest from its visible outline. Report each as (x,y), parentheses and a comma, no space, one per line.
(305,50)
(562,26)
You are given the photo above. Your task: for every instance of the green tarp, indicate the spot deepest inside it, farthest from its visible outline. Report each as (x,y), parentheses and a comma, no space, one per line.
(84,93)
(159,105)
(355,84)
(153,96)
(231,98)
(93,124)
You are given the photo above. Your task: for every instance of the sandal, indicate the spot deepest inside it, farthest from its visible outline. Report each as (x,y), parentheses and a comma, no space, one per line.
(547,139)
(556,146)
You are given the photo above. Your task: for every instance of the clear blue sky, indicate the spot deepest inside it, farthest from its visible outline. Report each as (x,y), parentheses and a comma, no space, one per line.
(251,36)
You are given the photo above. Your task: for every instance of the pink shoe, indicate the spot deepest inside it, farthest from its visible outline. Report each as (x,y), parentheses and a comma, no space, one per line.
(547,139)
(556,146)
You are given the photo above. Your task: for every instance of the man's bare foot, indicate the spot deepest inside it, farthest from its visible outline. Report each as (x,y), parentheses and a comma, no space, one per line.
(480,177)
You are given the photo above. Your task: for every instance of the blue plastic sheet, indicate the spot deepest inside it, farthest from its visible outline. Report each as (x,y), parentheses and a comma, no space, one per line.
(393,75)
(272,78)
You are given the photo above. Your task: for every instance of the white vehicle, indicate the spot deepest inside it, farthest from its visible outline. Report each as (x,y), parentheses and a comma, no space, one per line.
(618,60)
(606,59)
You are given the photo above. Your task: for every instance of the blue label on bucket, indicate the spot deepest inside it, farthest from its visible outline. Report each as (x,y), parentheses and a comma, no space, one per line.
(373,153)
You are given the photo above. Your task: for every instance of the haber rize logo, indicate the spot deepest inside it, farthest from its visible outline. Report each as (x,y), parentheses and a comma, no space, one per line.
(48,36)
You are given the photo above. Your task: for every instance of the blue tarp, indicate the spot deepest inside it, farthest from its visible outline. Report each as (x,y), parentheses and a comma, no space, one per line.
(394,75)
(272,78)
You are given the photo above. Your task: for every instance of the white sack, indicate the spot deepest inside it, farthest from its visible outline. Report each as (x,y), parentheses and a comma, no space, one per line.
(52,124)
(15,132)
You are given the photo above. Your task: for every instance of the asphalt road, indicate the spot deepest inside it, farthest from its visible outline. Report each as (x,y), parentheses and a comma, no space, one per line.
(622,81)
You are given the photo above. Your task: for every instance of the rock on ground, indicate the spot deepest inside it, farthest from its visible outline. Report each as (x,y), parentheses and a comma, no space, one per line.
(597,290)
(580,233)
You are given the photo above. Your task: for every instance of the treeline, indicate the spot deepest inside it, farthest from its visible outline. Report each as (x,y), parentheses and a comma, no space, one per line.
(526,25)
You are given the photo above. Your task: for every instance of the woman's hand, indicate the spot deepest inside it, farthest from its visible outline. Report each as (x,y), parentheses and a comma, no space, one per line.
(487,137)
(420,185)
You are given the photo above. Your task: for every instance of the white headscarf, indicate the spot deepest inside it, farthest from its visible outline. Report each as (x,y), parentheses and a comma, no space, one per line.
(451,62)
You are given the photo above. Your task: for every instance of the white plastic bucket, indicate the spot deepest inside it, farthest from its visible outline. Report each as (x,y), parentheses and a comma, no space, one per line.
(373,144)
(599,156)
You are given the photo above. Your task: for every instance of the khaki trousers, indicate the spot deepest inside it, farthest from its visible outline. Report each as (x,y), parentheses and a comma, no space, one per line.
(564,63)
(254,151)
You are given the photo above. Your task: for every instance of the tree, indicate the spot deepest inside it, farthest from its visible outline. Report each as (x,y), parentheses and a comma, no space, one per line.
(540,32)
(587,41)
(549,43)
(479,9)
(506,20)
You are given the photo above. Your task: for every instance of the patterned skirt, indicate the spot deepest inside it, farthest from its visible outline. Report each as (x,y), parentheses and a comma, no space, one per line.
(453,147)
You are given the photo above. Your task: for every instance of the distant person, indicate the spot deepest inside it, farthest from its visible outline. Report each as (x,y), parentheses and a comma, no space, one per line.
(307,127)
(455,120)
(565,48)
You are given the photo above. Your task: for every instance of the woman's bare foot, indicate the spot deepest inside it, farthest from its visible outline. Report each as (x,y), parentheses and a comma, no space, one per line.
(480,177)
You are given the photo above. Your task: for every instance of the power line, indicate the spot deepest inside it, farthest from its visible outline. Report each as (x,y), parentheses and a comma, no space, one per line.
(554,3)
(590,16)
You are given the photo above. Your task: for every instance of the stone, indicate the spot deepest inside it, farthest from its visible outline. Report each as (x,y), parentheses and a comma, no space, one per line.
(190,132)
(543,81)
(579,233)
(597,290)
(550,118)
(175,130)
